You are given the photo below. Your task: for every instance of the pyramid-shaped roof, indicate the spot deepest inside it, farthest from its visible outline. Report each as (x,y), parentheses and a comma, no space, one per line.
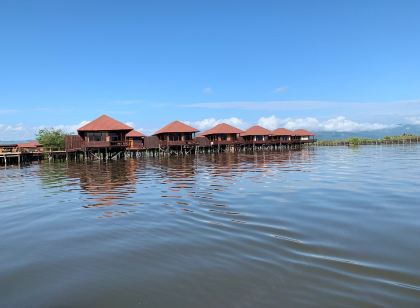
(256,131)
(176,127)
(282,132)
(135,133)
(222,128)
(104,123)
(303,132)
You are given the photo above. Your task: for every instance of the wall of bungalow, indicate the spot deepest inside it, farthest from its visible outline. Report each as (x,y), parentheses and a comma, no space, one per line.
(103,136)
(9,148)
(256,138)
(176,136)
(281,138)
(135,142)
(303,138)
(223,137)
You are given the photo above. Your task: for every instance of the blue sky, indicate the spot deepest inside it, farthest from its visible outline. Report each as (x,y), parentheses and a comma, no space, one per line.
(323,65)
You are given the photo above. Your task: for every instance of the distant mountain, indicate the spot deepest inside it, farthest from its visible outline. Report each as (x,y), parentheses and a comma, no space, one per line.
(14,141)
(380,133)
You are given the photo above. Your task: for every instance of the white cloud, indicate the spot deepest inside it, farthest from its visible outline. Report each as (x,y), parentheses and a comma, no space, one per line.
(210,122)
(208,91)
(131,124)
(414,120)
(146,131)
(11,128)
(281,89)
(14,132)
(21,132)
(68,128)
(382,108)
(271,122)
(338,124)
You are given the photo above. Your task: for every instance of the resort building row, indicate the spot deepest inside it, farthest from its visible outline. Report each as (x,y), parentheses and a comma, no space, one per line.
(105,135)
(107,138)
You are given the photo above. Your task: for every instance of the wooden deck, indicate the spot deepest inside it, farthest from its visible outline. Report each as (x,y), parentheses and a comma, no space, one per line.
(22,157)
(8,158)
(74,143)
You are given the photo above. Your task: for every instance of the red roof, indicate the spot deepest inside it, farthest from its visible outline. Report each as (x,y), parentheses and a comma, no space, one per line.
(303,132)
(104,123)
(176,127)
(135,133)
(256,131)
(282,132)
(222,128)
(30,144)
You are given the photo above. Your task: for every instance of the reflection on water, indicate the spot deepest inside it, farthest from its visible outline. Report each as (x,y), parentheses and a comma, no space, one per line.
(314,227)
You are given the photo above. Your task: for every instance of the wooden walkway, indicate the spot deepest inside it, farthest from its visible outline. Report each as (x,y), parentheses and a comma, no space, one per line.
(14,157)
(18,158)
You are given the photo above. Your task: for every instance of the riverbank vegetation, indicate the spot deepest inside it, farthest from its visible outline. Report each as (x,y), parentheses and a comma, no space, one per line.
(401,139)
(51,138)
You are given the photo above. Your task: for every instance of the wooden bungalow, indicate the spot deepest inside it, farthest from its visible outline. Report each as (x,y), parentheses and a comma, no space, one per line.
(304,136)
(176,134)
(256,135)
(222,134)
(281,135)
(9,153)
(8,148)
(103,136)
(104,132)
(135,140)
(20,153)
(30,147)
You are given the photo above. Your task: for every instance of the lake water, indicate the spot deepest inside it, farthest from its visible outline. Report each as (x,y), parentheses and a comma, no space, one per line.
(329,226)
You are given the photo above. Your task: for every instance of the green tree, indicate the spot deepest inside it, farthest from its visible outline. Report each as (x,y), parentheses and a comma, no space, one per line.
(354,141)
(51,137)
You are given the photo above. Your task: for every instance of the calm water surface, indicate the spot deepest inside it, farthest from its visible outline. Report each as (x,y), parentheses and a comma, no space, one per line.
(318,227)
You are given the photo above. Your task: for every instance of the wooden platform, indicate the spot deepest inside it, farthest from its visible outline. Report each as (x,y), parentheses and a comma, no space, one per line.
(15,157)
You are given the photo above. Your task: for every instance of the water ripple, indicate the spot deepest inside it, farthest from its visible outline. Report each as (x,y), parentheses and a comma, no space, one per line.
(323,226)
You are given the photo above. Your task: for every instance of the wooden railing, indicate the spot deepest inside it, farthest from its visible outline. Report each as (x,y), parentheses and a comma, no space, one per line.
(225,142)
(136,145)
(103,144)
(256,142)
(81,144)
(119,143)
(292,141)
(309,141)
(165,143)
(95,144)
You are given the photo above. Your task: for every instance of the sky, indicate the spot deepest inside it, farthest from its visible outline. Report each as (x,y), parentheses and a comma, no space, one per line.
(321,65)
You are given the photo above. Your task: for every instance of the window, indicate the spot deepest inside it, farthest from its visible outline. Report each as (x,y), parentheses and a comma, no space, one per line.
(114,137)
(94,136)
(174,137)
